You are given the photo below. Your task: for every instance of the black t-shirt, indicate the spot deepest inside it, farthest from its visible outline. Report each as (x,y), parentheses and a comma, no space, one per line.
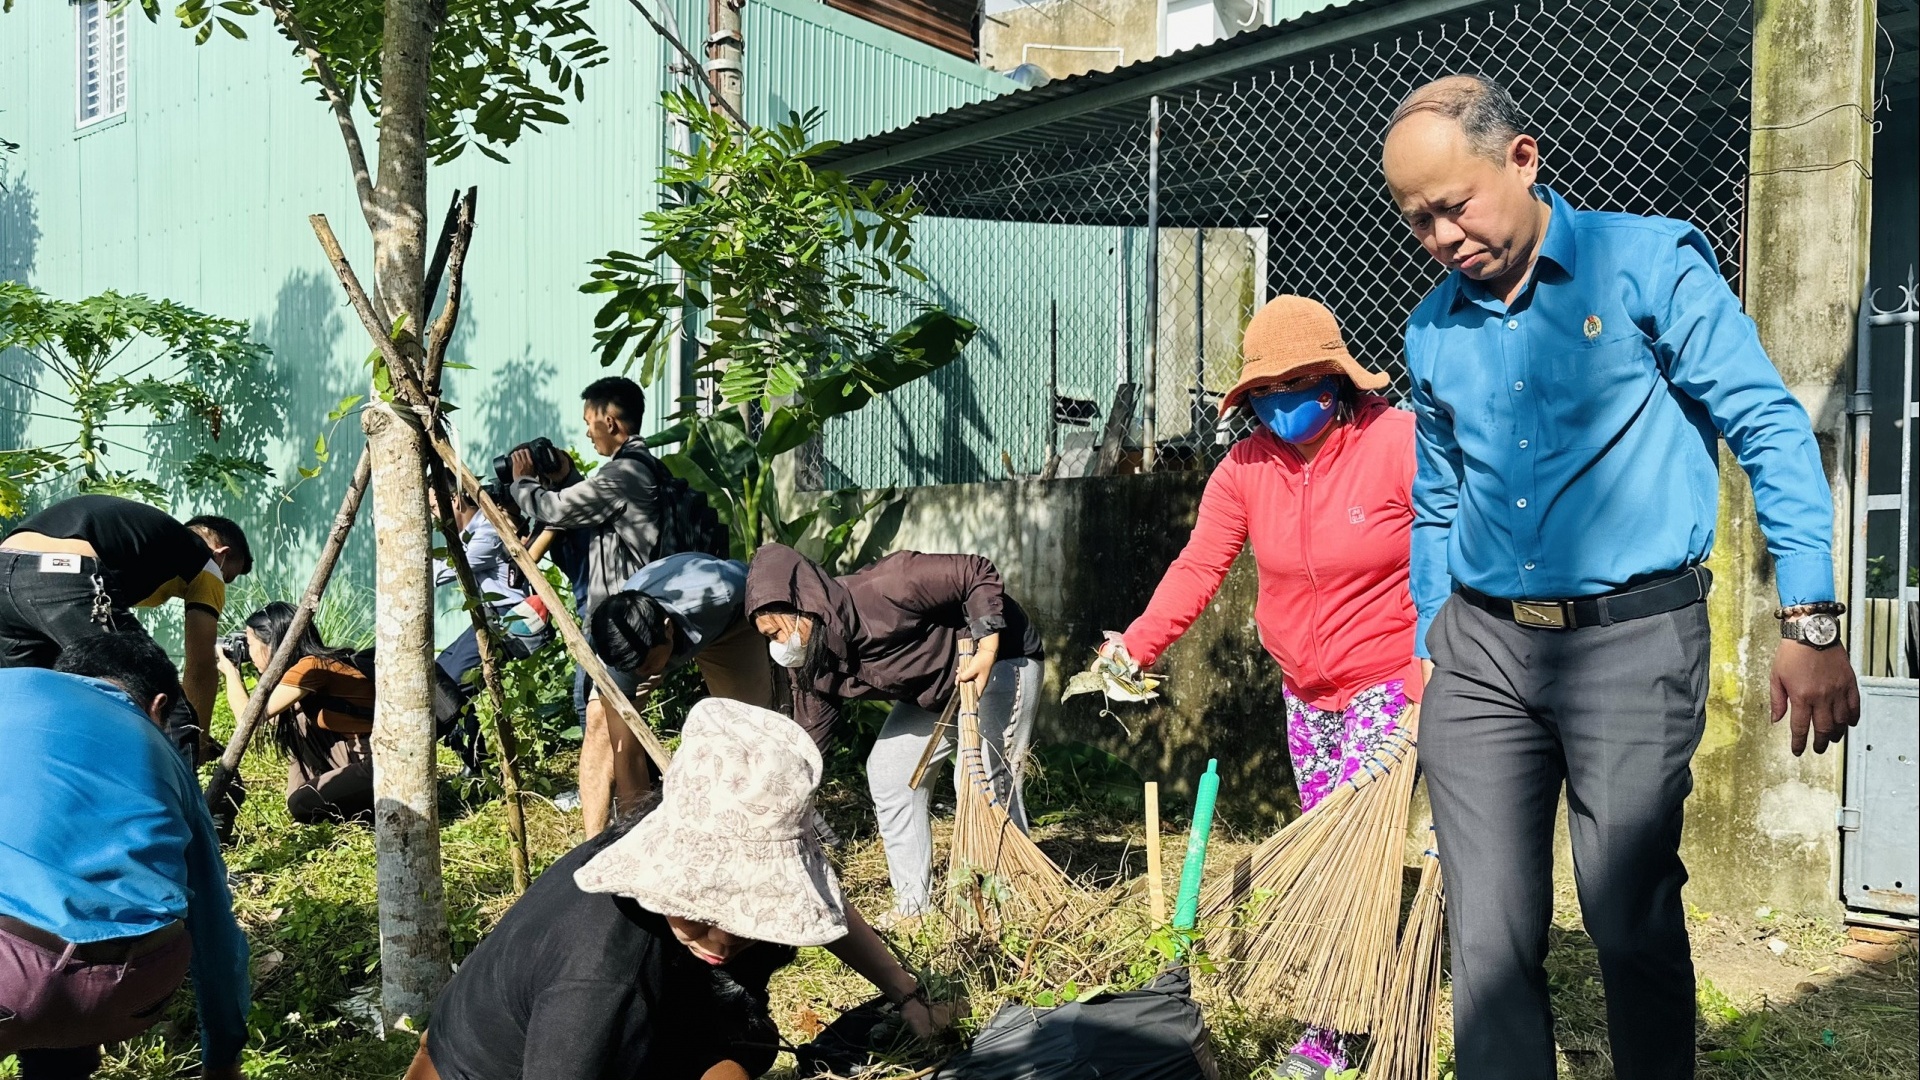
(141,549)
(590,986)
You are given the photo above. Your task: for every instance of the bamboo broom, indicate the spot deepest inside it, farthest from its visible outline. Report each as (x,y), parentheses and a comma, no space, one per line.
(1402,1045)
(1320,944)
(991,858)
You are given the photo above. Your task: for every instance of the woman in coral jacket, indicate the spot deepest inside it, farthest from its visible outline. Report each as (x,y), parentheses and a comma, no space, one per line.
(1323,493)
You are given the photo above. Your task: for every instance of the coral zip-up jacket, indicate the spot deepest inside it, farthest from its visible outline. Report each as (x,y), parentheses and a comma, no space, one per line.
(1330,538)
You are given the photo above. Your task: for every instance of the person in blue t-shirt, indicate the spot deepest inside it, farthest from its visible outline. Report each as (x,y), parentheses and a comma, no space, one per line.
(111,883)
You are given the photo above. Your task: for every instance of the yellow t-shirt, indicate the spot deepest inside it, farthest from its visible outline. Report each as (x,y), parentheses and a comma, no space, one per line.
(207,590)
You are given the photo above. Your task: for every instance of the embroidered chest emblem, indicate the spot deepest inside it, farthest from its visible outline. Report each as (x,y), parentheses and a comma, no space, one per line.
(1591,327)
(1356,516)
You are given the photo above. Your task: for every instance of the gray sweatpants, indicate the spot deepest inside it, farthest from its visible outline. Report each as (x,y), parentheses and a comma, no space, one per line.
(906,827)
(1614,714)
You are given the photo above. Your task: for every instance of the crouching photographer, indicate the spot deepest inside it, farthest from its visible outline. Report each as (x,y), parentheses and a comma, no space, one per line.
(614,519)
(322,713)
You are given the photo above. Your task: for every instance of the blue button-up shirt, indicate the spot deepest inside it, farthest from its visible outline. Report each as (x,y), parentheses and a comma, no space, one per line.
(1569,442)
(104,834)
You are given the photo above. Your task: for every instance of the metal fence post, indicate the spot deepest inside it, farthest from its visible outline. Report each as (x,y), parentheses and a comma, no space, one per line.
(1860,409)
(1152,378)
(1122,346)
(1194,410)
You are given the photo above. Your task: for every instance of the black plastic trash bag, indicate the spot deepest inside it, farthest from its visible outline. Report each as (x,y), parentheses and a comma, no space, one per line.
(864,1037)
(1155,1033)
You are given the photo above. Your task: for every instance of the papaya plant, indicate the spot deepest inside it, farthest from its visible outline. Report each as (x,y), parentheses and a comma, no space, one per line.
(113,358)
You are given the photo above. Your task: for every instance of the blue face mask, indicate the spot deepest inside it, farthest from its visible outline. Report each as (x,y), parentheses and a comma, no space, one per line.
(1298,416)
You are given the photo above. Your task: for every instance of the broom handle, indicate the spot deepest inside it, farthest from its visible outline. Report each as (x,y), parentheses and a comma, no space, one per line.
(933,741)
(976,766)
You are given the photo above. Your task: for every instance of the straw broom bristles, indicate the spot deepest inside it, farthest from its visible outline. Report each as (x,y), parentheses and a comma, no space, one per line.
(1321,945)
(986,842)
(1410,1003)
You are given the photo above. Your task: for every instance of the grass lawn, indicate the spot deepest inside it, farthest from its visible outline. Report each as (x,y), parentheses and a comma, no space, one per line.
(305,895)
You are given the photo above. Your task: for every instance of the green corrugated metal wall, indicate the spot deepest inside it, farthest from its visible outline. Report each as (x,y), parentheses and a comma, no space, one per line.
(201,194)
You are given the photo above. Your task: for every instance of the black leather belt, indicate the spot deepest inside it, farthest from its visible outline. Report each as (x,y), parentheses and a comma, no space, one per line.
(111,951)
(1653,598)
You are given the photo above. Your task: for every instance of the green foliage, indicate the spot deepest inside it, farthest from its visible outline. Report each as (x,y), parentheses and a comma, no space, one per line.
(781,268)
(1880,576)
(500,68)
(782,260)
(117,357)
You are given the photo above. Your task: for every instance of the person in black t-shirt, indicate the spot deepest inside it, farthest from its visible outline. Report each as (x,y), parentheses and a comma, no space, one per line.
(75,569)
(646,951)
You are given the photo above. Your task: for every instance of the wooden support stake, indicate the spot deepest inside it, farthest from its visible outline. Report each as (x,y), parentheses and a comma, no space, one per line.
(1156,891)
(283,656)
(406,381)
(505,742)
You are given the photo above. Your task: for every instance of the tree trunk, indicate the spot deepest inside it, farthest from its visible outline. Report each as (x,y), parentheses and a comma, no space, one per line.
(414,952)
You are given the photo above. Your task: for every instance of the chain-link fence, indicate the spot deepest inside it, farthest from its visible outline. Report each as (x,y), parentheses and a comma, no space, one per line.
(1112,272)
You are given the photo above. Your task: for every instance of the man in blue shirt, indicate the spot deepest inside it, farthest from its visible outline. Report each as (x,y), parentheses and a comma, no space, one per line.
(683,608)
(111,883)
(1572,379)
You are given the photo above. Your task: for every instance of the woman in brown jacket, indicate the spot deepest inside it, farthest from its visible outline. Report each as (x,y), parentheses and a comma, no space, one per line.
(893,632)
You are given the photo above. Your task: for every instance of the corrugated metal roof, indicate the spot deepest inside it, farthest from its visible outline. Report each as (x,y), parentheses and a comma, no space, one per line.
(802,53)
(1101,101)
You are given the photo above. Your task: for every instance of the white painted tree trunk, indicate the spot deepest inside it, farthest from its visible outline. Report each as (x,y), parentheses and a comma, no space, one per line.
(414,953)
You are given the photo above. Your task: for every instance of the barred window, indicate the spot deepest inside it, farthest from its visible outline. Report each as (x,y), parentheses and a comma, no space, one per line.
(100,61)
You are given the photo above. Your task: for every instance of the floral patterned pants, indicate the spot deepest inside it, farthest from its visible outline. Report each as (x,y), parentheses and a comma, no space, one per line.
(1328,745)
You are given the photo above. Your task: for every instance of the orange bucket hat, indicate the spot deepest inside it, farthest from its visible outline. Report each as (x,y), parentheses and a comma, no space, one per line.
(1293,336)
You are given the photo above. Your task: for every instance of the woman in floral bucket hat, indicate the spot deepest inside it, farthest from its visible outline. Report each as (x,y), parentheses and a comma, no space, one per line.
(646,951)
(1323,491)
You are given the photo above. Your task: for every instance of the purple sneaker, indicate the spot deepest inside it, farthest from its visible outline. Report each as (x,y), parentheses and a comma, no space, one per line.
(1320,1053)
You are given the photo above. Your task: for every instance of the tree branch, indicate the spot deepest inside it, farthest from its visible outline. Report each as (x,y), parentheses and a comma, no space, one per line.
(694,64)
(342,107)
(442,334)
(404,378)
(506,741)
(441,248)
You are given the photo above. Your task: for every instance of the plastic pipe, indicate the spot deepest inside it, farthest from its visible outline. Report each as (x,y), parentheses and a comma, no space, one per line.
(1186,910)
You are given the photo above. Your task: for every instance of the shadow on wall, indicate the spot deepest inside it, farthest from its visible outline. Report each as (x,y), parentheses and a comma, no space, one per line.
(313,367)
(517,399)
(19,226)
(19,246)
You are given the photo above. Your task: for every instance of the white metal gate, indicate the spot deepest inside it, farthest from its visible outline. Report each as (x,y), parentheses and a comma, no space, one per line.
(1880,860)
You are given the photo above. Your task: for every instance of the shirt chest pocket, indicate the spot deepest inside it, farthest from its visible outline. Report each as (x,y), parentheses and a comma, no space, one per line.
(1598,388)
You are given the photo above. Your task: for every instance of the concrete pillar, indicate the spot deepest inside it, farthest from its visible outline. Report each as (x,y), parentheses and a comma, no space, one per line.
(1761,824)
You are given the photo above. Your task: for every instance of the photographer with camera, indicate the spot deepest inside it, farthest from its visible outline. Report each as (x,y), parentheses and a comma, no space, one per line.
(614,516)
(323,712)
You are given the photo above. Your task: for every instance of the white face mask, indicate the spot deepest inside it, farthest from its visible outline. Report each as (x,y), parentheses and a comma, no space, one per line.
(789,653)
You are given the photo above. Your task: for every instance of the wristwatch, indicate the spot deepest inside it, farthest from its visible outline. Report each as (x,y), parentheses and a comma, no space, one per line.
(1817,625)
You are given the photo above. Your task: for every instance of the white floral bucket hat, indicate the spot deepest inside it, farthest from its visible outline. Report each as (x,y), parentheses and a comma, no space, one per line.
(731,843)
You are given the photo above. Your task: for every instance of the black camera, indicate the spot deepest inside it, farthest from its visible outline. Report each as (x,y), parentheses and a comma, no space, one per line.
(547,460)
(234,648)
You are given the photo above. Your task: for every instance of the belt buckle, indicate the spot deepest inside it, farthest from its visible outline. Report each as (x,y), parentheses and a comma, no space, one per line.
(1541,616)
